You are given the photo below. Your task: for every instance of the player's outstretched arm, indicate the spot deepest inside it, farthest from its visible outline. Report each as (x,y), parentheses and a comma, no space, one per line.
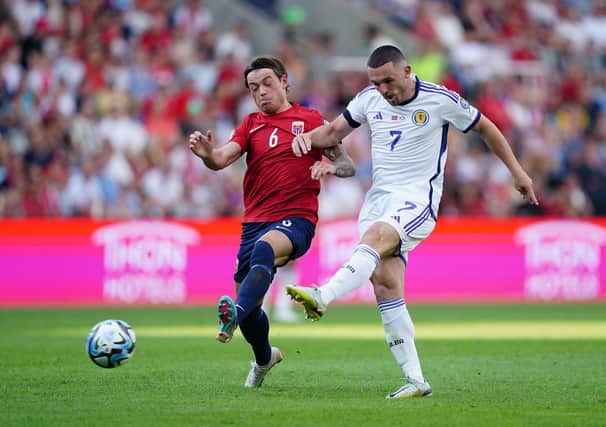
(342,165)
(214,158)
(321,137)
(499,145)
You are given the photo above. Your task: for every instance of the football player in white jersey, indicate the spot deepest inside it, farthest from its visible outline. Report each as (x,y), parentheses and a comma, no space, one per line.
(409,122)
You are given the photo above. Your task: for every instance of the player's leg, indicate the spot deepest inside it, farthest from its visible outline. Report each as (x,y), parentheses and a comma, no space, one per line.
(388,284)
(251,317)
(380,240)
(226,308)
(253,322)
(281,242)
(288,239)
(261,273)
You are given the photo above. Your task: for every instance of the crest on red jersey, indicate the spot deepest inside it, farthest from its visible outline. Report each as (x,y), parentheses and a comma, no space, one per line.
(298,127)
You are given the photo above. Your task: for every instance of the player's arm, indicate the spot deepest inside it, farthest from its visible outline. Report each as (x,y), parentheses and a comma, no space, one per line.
(499,145)
(214,158)
(342,165)
(321,137)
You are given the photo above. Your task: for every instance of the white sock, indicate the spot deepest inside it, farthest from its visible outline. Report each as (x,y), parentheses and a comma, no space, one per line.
(283,304)
(352,275)
(288,275)
(400,333)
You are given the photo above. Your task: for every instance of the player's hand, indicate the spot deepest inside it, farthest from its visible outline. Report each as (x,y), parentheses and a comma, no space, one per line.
(320,169)
(301,145)
(200,144)
(523,184)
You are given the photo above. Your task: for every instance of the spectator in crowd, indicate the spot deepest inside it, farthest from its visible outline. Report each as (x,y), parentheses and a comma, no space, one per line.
(113,81)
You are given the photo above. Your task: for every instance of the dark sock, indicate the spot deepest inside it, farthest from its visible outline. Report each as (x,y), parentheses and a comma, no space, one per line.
(255,328)
(257,281)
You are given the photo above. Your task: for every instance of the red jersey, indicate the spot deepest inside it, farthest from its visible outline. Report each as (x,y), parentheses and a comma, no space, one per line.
(277,184)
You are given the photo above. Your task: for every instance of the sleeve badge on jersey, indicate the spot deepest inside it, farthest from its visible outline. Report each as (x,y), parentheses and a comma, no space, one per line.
(297,127)
(420,117)
(464,104)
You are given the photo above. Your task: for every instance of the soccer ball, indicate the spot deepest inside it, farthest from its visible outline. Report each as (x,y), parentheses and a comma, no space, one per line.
(110,343)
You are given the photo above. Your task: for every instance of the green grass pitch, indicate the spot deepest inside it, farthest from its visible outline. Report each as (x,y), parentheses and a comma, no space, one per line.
(489,365)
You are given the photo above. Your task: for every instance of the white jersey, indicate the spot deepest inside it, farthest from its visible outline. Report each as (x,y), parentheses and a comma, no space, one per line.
(409,141)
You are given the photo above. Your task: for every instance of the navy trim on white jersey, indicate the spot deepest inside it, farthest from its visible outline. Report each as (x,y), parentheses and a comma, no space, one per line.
(418,221)
(473,123)
(443,146)
(417,85)
(350,119)
(435,89)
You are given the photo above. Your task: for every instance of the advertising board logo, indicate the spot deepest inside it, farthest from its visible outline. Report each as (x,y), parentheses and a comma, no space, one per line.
(562,259)
(145,261)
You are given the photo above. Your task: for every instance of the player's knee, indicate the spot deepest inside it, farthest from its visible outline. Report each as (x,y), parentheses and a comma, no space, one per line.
(383,238)
(262,256)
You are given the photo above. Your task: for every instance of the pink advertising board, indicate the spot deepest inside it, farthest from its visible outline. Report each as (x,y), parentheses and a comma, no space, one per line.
(82,262)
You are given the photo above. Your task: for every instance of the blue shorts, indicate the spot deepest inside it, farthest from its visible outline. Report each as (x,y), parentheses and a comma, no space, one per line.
(300,231)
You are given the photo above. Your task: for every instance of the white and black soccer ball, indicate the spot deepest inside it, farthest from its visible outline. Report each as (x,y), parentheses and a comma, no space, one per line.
(111,343)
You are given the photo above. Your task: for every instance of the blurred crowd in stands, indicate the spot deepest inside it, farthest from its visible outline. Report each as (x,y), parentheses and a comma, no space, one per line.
(97,98)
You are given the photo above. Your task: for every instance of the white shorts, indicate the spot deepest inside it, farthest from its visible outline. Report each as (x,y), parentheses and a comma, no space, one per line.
(412,220)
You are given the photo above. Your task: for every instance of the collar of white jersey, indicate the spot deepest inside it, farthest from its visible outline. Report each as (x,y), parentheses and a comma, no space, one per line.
(417,83)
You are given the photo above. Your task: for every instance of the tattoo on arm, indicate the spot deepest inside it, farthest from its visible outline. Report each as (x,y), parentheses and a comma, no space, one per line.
(332,153)
(345,166)
(345,171)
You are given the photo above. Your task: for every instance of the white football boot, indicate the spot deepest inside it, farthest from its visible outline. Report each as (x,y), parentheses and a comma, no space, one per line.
(310,298)
(411,388)
(257,373)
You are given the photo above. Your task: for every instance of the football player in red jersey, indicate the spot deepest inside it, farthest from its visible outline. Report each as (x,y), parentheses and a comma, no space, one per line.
(280,200)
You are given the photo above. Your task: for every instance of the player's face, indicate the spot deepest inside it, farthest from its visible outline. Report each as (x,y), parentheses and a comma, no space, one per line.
(393,81)
(268,90)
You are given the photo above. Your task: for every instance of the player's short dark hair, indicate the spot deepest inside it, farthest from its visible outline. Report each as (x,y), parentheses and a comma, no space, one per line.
(384,54)
(265,61)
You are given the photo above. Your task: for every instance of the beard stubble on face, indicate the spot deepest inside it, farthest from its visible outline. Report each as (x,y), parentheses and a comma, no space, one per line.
(402,94)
